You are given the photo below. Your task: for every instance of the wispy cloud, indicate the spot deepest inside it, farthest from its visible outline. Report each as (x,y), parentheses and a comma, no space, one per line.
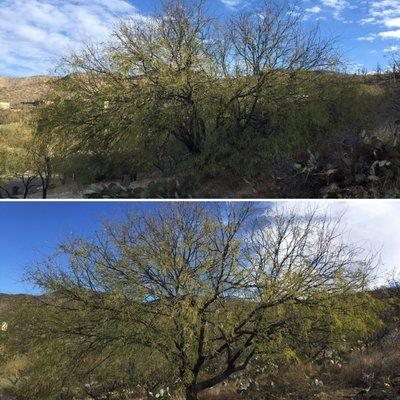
(369,38)
(232,3)
(314,10)
(390,34)
(385,13)
(36,33)
(372,227)
(392,49)
(338,6)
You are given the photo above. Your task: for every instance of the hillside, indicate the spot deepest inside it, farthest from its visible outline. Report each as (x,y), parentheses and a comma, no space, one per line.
(8,301)
(21,90)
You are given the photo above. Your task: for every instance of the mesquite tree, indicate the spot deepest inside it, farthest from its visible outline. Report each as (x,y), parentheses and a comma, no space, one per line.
(181,81)
(203,287)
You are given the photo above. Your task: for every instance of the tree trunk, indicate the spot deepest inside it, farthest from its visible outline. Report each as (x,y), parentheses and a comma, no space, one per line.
(191,393)
(45,177)
(44,182)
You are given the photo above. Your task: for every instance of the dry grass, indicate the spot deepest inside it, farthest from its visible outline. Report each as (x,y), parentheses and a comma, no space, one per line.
(374,365)
(11,371)
(228,392)
(375,368)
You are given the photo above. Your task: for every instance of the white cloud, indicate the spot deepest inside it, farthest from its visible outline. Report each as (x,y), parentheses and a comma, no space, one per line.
(391,49)
(337,5)
(387,14)
(231,3)
(314,10)
(374,225)
(369,38)
(36,33)
(390,34)
(392,22)
(367,21)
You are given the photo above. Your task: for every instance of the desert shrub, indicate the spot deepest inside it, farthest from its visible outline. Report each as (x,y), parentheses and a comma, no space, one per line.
(310,132)
(91,168)
(187,97)
(349,165)
(12,116)
(160,188)
(374,365)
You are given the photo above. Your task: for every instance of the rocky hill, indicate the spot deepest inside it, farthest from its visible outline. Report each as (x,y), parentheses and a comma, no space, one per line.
(7,303)
(18,91)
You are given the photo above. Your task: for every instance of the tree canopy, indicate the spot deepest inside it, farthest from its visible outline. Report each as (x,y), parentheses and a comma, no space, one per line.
(179,85)
(202,290)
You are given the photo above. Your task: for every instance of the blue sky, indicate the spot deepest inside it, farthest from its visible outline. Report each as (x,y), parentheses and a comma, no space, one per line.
(30,231)
(34,34)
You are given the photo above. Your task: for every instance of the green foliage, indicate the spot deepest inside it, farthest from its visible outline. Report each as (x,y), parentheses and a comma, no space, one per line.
(14,139)
(220,107)
(25,157)
(166,188)
(186,298)
(185,97)
(365,166)
(282,128)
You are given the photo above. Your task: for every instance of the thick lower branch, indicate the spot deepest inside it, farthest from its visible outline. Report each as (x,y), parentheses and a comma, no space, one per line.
(230,370)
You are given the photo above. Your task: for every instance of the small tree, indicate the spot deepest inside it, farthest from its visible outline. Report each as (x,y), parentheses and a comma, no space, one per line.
(25,157)
(42,164)
(204,286)
(15,160)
